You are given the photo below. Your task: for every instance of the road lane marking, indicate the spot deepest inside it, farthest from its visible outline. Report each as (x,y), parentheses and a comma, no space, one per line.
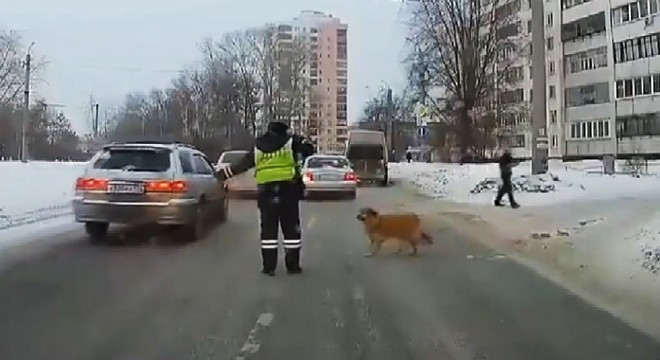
(311,222)
(251,345)
(358,293)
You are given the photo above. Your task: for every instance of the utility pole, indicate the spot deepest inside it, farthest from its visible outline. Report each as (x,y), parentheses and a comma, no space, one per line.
(539,148)
(96,120)
(26,106)
(390,120)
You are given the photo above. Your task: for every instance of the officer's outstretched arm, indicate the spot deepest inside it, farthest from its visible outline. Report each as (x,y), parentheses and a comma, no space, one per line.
(303,146)
(246,163)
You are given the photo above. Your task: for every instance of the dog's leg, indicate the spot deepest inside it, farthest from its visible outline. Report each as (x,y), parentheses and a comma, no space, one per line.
(400,248)
(414,249)
(372,244)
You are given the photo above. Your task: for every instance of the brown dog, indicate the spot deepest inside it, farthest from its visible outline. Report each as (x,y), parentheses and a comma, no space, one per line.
(403,227)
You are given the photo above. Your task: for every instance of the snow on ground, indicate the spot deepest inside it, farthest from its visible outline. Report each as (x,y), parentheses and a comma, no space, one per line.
(36,191)
(478,183)
(597,234)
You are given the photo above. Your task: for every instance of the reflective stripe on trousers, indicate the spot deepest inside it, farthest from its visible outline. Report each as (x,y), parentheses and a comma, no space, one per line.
(269,244)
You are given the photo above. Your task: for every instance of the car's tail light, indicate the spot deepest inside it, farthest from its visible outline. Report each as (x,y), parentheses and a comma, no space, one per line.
(350,176)
(166,186)
(91,184)
(309,176)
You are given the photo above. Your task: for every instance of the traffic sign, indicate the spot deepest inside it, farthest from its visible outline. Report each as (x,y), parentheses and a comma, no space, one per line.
(422,131)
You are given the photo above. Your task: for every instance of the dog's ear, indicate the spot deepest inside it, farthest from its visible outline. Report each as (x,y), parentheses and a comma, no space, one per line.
(372,212)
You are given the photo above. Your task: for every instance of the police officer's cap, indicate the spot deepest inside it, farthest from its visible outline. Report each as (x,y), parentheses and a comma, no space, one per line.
(278,127)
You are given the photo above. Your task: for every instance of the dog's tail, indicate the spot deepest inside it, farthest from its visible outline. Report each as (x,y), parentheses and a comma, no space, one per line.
(427,238)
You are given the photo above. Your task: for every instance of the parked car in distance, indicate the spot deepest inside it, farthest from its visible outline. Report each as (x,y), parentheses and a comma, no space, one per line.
(137,183)
(243,185)
(324,173)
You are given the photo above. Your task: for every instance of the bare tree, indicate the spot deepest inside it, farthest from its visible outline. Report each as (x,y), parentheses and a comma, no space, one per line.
(294,88)
(463,46)
(239,53)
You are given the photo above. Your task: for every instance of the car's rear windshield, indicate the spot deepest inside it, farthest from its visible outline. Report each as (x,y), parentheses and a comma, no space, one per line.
(147,160)
(365,152)
(319,162)
(232,157)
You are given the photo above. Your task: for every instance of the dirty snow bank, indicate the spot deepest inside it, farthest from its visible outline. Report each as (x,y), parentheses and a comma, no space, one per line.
(478,183)
(36,191)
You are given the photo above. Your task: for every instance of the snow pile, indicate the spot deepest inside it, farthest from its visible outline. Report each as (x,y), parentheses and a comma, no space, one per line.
(36,191)
(478,183)
(647,239)
(524,183)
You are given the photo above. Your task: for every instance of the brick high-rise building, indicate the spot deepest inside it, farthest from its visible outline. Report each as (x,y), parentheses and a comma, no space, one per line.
(325,117)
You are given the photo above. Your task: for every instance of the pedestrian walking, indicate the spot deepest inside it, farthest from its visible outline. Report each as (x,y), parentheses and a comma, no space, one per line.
(275,157)
(506,171)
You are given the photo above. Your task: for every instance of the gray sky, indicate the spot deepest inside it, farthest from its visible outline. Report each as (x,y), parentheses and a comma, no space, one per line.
(110,48)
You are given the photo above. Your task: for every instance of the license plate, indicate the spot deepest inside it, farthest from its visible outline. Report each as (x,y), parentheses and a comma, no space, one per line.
(125,189)
(329,177)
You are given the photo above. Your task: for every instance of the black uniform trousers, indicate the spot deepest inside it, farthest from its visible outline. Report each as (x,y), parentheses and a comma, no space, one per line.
(279,206)
(505,188)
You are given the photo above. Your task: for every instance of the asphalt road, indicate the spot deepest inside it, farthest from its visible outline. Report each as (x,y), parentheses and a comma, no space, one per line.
(144,301)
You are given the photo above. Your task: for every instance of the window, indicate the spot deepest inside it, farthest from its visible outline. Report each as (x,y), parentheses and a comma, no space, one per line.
(529,26)
(583,27)
(551,67)
(586,60)
(645,85)
(634,11)
(593,129)
(186,162)
(597,93)
(553,116)
(555,143)
(550,43)
(135,160)
(317,162)
(202,165)
(567,4)
(638,125)
(638,48)
(549,19)
(508,31)
(511,96)
(551,92)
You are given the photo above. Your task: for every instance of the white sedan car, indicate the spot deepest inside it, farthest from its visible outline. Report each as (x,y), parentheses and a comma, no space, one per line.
(329,174)
(243,184)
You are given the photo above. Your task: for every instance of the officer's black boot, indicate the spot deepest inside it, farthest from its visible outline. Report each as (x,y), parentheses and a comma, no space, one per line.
(292,261)
(269,261)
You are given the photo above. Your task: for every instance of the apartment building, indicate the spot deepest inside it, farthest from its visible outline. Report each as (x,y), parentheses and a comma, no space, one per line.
(515,98)
(612,77)
(326,104)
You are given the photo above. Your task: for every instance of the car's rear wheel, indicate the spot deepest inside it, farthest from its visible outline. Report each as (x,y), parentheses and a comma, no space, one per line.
(194,230)
(96,231)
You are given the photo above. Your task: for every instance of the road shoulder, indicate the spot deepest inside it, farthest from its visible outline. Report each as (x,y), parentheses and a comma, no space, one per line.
(532,240)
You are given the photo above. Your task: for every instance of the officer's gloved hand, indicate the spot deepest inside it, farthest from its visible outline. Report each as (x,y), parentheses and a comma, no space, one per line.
(307,141)
(220,175)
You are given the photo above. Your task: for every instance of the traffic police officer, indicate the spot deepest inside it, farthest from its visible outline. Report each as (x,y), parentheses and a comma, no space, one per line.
(275,158)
